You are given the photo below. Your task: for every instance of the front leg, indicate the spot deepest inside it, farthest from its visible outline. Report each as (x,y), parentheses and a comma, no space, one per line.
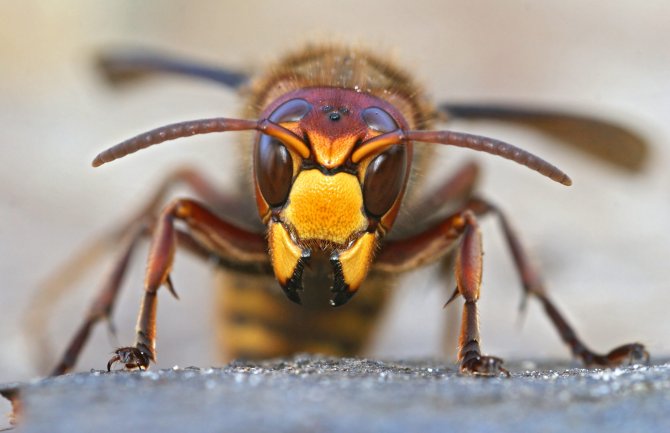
(233,246)
(468,282)
(413,252)
(459,230)
(533,286)
(128,234)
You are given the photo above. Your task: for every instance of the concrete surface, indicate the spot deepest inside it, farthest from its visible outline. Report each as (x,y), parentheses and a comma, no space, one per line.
(311,394)
(602,244)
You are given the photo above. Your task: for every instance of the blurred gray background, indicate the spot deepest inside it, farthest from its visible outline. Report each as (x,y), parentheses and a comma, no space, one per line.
(602,243)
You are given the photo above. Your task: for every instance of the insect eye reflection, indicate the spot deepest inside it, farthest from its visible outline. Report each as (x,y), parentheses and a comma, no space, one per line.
(291,111)
(379,120)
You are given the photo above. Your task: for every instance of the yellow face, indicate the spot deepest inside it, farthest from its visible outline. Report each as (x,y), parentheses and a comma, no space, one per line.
(325,207)
(325,203)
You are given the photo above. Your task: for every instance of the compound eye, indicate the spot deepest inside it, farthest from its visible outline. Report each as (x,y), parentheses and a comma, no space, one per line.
(272,161)
(273,166)
(379,120)
(290,111)
(384,179)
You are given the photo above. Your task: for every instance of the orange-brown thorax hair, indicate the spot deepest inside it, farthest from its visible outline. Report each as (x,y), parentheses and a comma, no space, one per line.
(345,67)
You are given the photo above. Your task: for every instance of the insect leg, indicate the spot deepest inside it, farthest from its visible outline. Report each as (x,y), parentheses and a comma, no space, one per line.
(533,285)
(100,309)
(468,281)
(130,232)
(460,231)
(234,246)
(103,304)
(444,199)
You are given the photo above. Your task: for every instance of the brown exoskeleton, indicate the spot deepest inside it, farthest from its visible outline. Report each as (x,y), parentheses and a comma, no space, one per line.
(339,135)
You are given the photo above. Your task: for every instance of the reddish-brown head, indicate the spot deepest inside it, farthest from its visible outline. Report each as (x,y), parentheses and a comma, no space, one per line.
(325,194)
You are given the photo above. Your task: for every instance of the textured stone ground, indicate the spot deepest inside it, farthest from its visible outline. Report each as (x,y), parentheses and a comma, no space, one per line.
(307,394)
